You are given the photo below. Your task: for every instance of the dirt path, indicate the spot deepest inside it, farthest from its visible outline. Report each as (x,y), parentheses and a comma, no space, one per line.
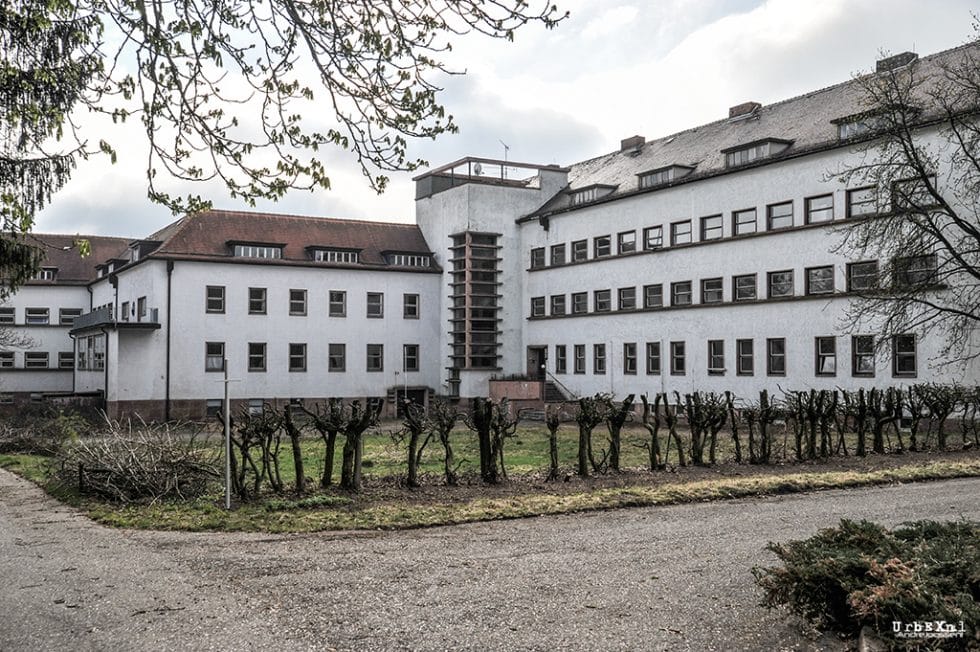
(663,578)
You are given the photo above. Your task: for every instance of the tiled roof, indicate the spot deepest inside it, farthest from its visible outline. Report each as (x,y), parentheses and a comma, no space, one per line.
(60,252)
(805,120)
(206,236)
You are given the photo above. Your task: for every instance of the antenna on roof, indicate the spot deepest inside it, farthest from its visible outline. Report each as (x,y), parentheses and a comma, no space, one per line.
(503,169)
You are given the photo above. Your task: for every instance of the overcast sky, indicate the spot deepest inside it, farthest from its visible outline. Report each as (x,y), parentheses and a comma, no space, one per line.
(613,69)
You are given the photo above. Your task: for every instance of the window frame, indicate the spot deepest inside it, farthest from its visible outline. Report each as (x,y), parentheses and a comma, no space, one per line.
(626,298)
(68,312)
(336,351)
(653,356)
(676,235)
(808,281)
(851,276)
(850,203)
(257,301)
(537,307)
(256,355)
(772,357)
(219,306)
(602,301)
(375,300)
(297,357)
(210,356)
(599,359)
(742,356)
(677,291)
(809,211)
(8,315)
(578,360)
(377,355)
(300,302)
(66,360)
(736,297)
(332,303)
(716,357)
(580,251)
(771,276)
(626,242)
(601,246)
(577,308)
(771,217)
(678,358)
(40,316)
(37,360)
(411,305)
(820,356)
(714,230)
(557,254)
(561,359)
(629,358)
(898,355)
(410,358)
(557,305)
(859,353)
(712,292)
(537,258)
(653,237)
(650,291)
(737,225)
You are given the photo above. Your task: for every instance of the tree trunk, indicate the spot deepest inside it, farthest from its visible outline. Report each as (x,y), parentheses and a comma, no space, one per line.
(329,446)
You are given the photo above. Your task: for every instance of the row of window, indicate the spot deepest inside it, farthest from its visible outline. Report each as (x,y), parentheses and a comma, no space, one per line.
(903,351)
(214,302)
(38,360)
(858,202)
(859,276)
(38,316)
(214,357)
(320,254)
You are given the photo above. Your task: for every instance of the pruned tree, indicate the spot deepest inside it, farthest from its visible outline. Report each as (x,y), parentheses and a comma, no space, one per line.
(329,421)
(229,92)
(733,425)
(919,154)
(707,414)
(616,418)
(552,421)
(256,441)
(591,412)
(357,420)
(760,419)
(651,421)
(417,429)
(493,424)
(443,416)
(294,431)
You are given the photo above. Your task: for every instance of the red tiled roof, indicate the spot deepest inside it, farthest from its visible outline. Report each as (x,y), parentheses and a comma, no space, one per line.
(206,236)
(60,252)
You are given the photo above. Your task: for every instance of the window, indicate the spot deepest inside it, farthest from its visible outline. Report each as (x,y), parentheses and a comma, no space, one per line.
(862,276)
(601,246)
(776,356)
(256,301)
(558,254)
(903,356)
(825,350)
(680,232)
(212,407)
(406,260)
(66,360)
(46,274)
(711,290)
(256,356)
(677,359)
(36,316)
(819,209)
(580,358)
(854,126)
(602,301)
(336,357)
(583,196)
(140,308)
(338,303)
(626,242)
(375,305)
(297,302)
(214,356)
(6,359)
(599,359)
(36,360)
(680,293)
(820,280)
(861,201)
(580,303)
(744,221)
(653,237)
(915,270)
(557,305)
(537,258)
(342,256)
(780,284)
(863,355)
(627,298)
(712,228)
(629,358)
(561,359)
(257,251)
(66,316)
(779,216)
(913,194)
(297,357)
(744,363)
(375,357)
(748,153)
(653,295)
(124,311)
(716,357)
(6,315)
(410,357)
(653,358)
(410,306)
(537,306)
(580,251)
(214,298)
(743,287)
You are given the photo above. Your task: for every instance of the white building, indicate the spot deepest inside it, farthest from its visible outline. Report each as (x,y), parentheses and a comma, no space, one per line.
(702,260)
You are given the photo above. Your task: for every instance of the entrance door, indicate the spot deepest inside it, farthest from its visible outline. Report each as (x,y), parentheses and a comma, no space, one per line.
(537,357)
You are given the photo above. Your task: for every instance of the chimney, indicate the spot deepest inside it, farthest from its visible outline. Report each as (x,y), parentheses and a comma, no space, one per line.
(895,62)
(631,143)
(746,108)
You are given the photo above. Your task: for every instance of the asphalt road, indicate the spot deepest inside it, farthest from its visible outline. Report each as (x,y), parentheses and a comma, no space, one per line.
(663,578)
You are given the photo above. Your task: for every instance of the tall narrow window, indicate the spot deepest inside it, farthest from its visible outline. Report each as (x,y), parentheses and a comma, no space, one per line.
(297,302)
(601,246)
(629,358)
(579,358)
(825,350)
(561,359)
(558,254)
(599,359)
(580,303)
(863,356)
(776,356)
(256,301)
(410,357)
(338,303)
(653,358)
(375,305)
(214,356)
(141,309)
(678,362)
(337,357)
(903,356)
(537,306)
(744,358)
(375,357)
(716,357)
(297,357)
(256,356)
(537,258)
(580,251)
(410,306)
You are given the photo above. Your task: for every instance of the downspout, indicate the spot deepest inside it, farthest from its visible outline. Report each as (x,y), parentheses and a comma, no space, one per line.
(74,360)
(105,373)
(166,400)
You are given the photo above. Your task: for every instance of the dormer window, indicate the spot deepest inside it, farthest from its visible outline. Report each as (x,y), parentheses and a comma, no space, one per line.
(336,255)
(408,260)
(590,194)
(257,251)
(663,176)
(46,274)
(860,124)
(744,154)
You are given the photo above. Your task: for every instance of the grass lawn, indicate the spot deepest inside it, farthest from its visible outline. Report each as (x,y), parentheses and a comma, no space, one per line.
(385,503)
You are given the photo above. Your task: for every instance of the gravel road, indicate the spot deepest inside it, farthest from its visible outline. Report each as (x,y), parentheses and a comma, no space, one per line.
(662,578)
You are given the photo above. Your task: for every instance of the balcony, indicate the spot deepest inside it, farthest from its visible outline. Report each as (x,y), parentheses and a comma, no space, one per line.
(484,171)
(102,319)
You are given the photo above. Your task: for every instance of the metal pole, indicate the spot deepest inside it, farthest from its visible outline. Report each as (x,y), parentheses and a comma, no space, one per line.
(227,416)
